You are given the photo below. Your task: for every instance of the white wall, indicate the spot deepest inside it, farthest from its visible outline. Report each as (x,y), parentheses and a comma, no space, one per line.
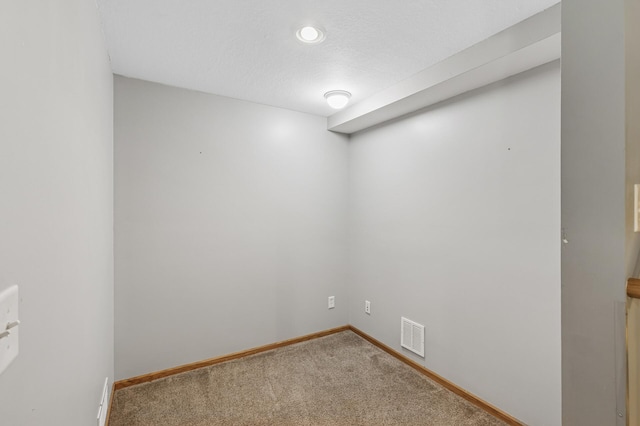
(454,223)
(56,216)
(632,244)
(632,130)
(230,225)
(602,251)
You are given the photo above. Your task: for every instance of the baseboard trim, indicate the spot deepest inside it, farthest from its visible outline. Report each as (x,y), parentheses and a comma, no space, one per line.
(633,288)
(120,384)
(494,411)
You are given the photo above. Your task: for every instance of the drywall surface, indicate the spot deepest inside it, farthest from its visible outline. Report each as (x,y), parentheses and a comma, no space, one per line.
(56,209)
(248,49)
(632,260)
(632,147)
(594,263)
(454,223)
(230,225)
(533,42)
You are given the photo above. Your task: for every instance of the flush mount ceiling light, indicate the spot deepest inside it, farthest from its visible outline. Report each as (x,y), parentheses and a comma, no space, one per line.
(310,35)
(337,98)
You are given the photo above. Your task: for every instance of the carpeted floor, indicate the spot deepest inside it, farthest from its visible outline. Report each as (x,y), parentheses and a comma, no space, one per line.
(339,379)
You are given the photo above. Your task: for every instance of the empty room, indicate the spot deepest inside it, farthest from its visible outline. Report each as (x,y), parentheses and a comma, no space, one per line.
(319,213)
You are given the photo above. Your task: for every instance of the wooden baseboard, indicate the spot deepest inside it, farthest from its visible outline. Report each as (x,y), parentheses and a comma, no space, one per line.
(120,384)
(633,288)
(494,411)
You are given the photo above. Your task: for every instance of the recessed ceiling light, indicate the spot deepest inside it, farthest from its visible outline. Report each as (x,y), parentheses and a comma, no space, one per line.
(337,98)
(310,35)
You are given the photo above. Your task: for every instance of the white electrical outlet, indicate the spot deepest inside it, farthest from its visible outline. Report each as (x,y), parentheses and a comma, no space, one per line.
(367,307)
(332,302)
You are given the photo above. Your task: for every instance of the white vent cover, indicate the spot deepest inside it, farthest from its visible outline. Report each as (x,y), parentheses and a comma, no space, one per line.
(412,336)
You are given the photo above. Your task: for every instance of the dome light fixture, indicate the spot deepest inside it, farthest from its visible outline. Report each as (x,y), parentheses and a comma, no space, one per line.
(310,35)
(337,99)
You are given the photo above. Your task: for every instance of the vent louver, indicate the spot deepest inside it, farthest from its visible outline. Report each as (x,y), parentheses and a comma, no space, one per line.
(412,336)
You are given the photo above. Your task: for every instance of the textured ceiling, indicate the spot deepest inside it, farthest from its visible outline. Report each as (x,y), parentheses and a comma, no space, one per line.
(247,49)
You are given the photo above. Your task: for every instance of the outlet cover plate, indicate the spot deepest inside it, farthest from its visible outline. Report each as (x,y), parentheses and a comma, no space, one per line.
(332,302)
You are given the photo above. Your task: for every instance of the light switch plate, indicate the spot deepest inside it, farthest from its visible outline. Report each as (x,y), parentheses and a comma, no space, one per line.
(8,313)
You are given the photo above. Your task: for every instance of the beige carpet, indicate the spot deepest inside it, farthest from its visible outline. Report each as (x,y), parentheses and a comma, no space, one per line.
(340,379)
